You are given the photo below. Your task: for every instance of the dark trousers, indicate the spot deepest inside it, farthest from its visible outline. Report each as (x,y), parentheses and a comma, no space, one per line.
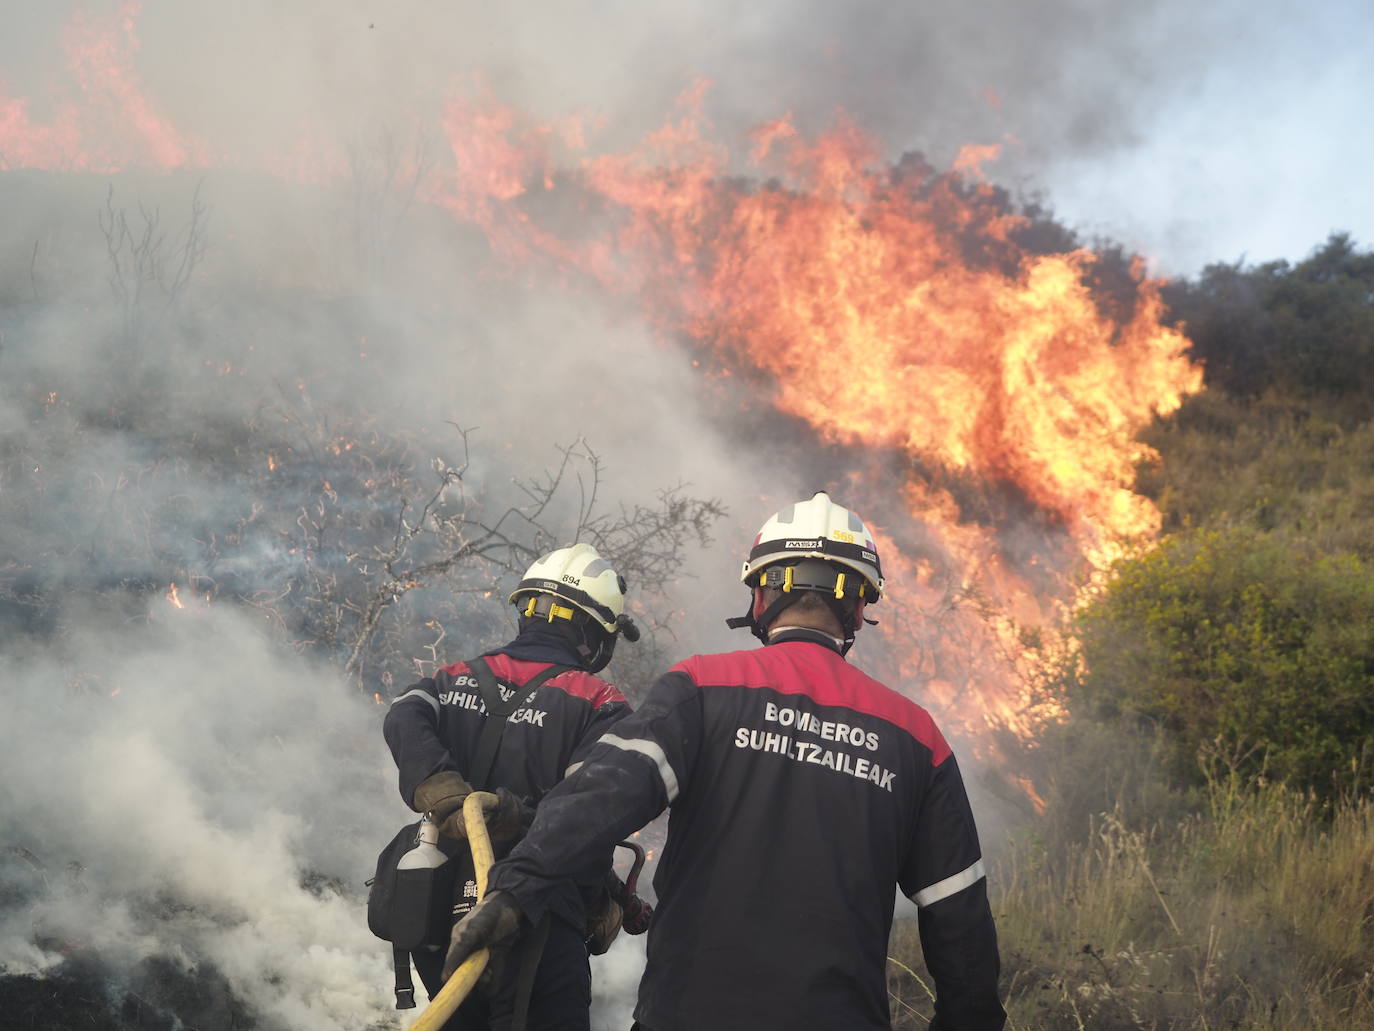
(561,998)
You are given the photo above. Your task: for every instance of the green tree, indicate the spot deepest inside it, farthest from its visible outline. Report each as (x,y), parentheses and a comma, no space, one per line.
(1305,328)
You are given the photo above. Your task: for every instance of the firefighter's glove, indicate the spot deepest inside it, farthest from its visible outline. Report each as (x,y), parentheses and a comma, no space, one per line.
(493,921)
(603,925)
(442,796)
(509,818)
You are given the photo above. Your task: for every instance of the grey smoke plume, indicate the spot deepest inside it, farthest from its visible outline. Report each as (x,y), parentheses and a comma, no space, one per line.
(1066,77)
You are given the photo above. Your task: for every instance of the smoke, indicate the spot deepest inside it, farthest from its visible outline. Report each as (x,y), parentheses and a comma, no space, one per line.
(192,468)
(189,793)
(1066,77)
(191,464)
(1140,121)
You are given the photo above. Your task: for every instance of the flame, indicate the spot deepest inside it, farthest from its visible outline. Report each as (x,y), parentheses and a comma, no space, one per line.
(113,125)
(891,309)
(987,403)
(174,596)
(1026,785)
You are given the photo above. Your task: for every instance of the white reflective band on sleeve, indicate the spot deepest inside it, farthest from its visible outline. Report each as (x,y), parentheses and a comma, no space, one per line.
(573,768)
(654,752)
(950,885)
(418,692)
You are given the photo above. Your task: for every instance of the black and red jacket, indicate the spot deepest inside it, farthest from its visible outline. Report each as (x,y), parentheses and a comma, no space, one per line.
(435,725)
(803,793)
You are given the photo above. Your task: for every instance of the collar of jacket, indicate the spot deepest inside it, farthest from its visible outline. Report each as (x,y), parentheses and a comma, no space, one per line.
(801,633)
(540,642)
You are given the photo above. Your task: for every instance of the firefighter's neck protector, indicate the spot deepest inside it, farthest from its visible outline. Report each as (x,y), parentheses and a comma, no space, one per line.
(592,644)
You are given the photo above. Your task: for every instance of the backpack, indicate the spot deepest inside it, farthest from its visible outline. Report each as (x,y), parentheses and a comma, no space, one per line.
(415,909)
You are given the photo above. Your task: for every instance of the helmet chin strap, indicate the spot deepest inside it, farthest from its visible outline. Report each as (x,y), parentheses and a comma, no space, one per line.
(759,619)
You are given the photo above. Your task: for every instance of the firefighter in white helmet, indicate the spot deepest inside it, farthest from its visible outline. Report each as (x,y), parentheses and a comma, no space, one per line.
(447,740)
(804,793)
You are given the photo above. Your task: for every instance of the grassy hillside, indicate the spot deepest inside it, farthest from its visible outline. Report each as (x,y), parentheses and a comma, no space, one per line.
(1206,856)
(1244,905)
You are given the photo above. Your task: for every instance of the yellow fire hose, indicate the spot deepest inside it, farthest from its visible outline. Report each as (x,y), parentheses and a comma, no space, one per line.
(453,993)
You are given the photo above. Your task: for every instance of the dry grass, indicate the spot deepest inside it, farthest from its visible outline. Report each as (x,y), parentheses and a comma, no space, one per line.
(1256,910)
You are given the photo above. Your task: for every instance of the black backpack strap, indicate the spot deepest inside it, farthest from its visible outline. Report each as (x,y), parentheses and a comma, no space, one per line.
(532,949)
(498,710)
(405,987)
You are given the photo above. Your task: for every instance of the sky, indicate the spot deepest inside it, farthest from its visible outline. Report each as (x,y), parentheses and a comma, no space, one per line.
(1257,151)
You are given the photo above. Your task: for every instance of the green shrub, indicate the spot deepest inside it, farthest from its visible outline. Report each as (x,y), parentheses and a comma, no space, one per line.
(1244,642)
(1275,462)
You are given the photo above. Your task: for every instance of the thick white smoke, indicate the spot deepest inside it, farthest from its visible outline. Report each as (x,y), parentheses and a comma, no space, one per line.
(192,794)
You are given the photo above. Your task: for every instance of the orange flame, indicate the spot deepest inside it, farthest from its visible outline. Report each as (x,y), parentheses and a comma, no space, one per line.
(893,311)
(113,126)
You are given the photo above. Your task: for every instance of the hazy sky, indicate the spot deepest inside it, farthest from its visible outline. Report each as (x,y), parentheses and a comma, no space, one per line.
(1194,132)
(1261,149)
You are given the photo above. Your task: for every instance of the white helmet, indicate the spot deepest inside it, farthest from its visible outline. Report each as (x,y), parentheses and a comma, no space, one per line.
(579,576)
(821,529)
(816,546)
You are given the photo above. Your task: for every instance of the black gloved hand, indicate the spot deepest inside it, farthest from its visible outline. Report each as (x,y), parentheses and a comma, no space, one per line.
(603,924)
(494,920)
(509,818)
(442,796)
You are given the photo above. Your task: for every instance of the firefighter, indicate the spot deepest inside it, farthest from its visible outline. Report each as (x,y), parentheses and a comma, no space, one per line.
(571,614)
(803,793)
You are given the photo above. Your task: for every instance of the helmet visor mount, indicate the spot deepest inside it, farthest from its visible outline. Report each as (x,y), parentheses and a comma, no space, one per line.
(813,574)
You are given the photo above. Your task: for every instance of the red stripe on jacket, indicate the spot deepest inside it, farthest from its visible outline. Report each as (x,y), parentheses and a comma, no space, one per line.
(813,670)
(574,682)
